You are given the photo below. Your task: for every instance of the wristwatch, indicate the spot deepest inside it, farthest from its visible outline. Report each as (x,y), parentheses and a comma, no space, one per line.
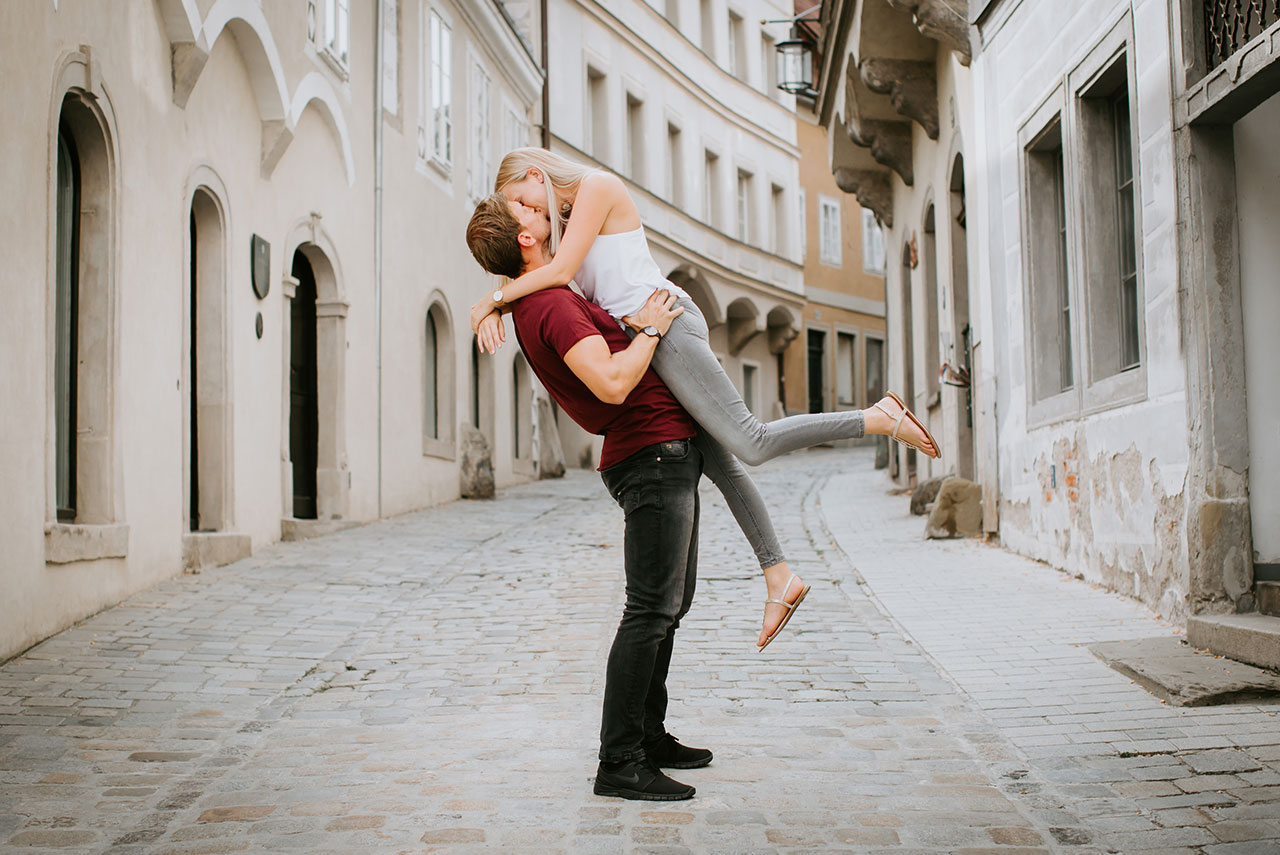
(652,330)
(497,296)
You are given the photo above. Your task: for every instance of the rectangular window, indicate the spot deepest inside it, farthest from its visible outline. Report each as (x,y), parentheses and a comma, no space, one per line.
(737,47)
(675,166)
(479,164)
(803,228)
(515,129)
(777,219)
(711,189)
(749,374)
(635,139)
(845,356)
(1110,228)
(744,206)
(768,66)
(708,30)
(337,29)
(597,114)
(436,140)
(830,248)
(1050,294)
(875,370)
(872,244)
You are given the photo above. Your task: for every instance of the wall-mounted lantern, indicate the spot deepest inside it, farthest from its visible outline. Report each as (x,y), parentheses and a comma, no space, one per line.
(795,65)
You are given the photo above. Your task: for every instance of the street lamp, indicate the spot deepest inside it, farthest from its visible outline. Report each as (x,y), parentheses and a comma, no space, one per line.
(795,65)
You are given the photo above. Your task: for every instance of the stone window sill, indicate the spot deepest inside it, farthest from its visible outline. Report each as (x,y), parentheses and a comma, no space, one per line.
(444,449)
(66,543)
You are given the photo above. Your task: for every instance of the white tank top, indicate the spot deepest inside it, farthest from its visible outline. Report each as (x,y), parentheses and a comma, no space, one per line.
(619,273)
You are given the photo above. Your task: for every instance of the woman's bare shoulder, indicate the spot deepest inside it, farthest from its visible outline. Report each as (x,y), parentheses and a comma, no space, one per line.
(599,181)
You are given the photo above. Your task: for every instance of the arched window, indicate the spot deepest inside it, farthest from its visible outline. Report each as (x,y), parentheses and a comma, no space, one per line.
(431,381)
(521,409)
(437,380)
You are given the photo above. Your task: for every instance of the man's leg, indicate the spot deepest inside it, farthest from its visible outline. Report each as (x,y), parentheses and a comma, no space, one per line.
(657,490)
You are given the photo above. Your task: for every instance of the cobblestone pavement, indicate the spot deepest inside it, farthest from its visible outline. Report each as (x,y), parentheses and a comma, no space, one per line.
(432,683)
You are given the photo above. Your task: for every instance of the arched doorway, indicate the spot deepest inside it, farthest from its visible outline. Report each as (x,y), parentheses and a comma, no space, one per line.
(304,400)
(961,357)
(206,397)
(931,400)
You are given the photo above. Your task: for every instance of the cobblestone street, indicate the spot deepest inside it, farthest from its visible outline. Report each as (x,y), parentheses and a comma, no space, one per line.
(432,683)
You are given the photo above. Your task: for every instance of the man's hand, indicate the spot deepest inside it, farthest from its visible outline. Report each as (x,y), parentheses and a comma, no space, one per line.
(656,312)
(481,310)
(492,333)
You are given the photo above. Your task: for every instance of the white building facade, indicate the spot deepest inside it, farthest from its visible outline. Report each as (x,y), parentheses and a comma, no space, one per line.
(238,288)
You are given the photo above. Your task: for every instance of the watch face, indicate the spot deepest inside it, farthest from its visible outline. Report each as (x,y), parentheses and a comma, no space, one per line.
(497,296)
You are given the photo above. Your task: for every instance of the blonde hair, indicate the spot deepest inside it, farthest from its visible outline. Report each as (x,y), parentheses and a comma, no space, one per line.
(558,173)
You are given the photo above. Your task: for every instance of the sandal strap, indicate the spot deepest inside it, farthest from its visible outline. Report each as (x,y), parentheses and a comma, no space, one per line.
(785,588)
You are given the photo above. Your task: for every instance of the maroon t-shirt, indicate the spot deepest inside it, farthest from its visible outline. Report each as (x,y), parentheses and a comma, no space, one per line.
(548,324)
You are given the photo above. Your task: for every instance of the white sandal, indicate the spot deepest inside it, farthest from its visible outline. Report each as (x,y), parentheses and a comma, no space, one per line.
(790,607)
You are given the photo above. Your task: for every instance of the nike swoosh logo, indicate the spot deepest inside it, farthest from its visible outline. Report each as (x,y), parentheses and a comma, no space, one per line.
(633,778)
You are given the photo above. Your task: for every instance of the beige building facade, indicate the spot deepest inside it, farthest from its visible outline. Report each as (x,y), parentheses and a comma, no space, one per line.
(840,359)
(238,287)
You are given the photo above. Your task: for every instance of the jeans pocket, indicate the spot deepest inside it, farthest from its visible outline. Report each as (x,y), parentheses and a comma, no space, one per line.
(673,450)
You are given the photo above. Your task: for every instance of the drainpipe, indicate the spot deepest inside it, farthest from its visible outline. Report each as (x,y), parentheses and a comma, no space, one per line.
(546,76)
(377,220)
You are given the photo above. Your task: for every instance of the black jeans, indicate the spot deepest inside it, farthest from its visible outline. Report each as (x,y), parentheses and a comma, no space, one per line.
(658,491)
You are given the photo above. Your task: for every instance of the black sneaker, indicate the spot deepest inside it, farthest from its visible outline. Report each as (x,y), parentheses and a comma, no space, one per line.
(670,754)
(638,779)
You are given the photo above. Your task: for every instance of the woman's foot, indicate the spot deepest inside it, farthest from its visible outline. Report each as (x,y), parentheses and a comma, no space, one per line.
(781,584)
(881,419)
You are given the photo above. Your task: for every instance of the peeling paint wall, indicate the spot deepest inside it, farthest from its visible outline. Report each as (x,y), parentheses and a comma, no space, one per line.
(1098,488)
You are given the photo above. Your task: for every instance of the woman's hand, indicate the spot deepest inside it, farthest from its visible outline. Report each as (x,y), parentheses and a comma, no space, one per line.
(658,311)
(483,307)
(491,333)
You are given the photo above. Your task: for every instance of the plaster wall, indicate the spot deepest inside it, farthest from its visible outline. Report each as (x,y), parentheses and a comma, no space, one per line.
(1257,189)
(319,190)
(933,162)
(1099,490)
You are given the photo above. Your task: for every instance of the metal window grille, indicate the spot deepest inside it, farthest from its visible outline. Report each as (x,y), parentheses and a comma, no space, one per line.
(1230,24)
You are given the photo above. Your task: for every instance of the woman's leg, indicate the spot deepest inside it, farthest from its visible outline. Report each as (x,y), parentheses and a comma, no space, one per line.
(747,506)
(691,371)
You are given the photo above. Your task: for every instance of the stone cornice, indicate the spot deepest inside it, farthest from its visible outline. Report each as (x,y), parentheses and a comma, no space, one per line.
(890,144)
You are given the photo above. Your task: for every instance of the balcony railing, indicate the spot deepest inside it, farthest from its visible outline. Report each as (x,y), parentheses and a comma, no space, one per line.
(1230,24)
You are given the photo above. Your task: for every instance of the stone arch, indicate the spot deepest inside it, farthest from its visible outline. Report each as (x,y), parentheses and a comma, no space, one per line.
(694,282)
(315,89)
(84,285)
(308,243)
(745,323)
(438,425)
(206,358)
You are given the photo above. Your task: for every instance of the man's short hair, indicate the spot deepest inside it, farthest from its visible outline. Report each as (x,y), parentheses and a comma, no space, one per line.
(493,237)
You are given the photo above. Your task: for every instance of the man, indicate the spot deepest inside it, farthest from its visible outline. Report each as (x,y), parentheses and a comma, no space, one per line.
(601,378)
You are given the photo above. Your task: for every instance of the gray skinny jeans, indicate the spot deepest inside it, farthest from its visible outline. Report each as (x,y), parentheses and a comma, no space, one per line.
(730,432)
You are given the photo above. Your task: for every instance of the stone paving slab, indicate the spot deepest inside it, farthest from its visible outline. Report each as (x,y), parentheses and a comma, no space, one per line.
(431,684)
(1145,775)
(1172,670)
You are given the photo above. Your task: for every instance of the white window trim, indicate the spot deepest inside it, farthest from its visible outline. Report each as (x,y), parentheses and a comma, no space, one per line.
(804,226)
(427,151)
(479,122)
(869,224)
(341,64)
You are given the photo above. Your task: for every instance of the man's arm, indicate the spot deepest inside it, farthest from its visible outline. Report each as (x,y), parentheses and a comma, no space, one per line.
(612,376)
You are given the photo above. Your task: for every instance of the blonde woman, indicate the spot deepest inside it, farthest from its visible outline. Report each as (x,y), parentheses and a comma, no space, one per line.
(603,248)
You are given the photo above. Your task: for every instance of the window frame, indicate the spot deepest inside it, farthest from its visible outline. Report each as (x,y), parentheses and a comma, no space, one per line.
(872,234)
(480,124)
(833,255)
(744,185)
(435,77)
(1065,403)
(850,334)
(340,57)
(1113,53)
(675,164)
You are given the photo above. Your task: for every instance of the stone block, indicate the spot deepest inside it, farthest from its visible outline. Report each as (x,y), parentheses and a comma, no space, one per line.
(1182,675)
(1251,638)
(214,549)
(924,494)
(476,471)
(957,512)
(65,543)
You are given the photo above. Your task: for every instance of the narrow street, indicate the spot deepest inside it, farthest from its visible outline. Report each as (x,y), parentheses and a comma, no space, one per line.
(431,683)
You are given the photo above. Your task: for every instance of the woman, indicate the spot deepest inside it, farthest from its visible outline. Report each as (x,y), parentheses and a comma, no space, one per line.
(603,248)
